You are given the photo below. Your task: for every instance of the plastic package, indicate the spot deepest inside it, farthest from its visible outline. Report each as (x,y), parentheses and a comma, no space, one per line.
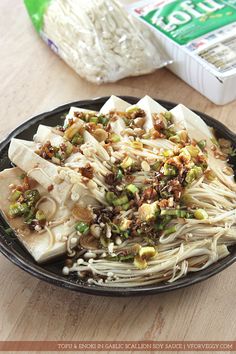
(200,37)
(98,39)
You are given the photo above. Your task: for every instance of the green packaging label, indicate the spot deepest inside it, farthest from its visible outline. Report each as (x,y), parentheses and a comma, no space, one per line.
(184,21)
(36,10)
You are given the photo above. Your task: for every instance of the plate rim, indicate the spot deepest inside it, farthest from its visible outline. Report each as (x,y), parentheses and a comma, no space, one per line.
(55,279)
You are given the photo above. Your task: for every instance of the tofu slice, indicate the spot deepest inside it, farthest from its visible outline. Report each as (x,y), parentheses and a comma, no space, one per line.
(39,245)
(22,154)
(150,106)
(114,103)
(197,129)
(178,117)
(72,110)
(45,134)
(66,183)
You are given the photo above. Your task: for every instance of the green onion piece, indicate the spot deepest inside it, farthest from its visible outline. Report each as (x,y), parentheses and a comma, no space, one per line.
(110,196)
(58,155)
(74,139)
(31,196)
(126,206)
(121,200)
(127,121)
(214,141)
(18,209)
(126,234)
(94,120)
(115,138)
(82,227)
(163,222)
(14,210)
(114,228)
(132,188)
(192,174)
(24,208)
(173,212)
(168,115)
(175,139)
(166,220)
(193,150)
(169,170)
(182,213)
(190,177)
(69,148)
(170,230)
(15,195)
(119,175)
(40,215)
(156,166)
(202,144)
(147,136)
(200,214)
(127,162)
(103,120)
(29,216)
(169,132)
(77,139)
(167,153)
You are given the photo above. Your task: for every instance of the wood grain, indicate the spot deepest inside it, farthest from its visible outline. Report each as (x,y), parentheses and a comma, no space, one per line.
(33,79)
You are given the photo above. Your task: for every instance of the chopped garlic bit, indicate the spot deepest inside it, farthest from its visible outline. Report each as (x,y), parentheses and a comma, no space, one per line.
(144,254)
(145,166)
(146,212)
(110,247)
(65,271)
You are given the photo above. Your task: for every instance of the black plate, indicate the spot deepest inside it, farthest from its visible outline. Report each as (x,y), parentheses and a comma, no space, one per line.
(12,249)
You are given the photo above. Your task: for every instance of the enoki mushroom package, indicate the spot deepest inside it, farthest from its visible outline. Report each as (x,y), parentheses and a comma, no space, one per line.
(98,39)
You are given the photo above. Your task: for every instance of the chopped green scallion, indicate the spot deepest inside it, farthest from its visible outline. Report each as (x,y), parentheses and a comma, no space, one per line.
(110,196)
(119,174)
(94,120)
(202,144)
(200,214)
(40,215)
(82,227)
(169,170)
(121,200)
(132,188)
(170,230)
(115,138)
(15,195)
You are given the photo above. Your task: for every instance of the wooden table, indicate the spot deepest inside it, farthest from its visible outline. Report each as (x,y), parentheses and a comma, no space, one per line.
(33,80)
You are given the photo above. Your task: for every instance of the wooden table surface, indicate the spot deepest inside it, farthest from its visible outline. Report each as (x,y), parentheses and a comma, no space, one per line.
(33,80)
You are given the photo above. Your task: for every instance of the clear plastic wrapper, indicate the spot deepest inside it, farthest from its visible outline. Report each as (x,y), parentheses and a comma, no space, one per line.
(98,39)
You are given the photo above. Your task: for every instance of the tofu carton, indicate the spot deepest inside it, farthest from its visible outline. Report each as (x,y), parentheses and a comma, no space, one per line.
(200,37)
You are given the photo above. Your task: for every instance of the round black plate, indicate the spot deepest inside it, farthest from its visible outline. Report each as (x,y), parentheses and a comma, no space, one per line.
(13,250)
